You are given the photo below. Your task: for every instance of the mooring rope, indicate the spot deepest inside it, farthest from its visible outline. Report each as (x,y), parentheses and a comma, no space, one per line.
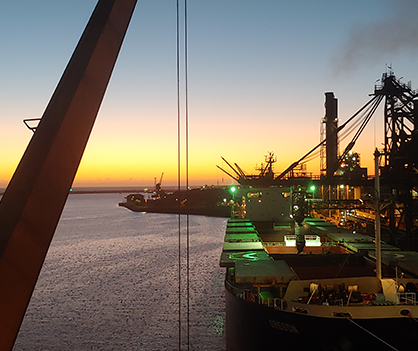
(358,325)
(413,318)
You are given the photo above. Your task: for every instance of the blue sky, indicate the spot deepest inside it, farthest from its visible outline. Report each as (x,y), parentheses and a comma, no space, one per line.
(258,71)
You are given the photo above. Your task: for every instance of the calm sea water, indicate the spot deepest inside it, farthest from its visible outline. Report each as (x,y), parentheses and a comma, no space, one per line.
(110,281)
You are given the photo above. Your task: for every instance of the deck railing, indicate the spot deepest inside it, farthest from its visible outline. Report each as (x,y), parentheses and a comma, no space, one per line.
(408,298)
(276,303)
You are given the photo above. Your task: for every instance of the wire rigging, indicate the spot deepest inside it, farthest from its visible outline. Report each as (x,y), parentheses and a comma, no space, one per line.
(179,164)
(359,120)
(178,167)
(308,154)
(187,170)
(363,125)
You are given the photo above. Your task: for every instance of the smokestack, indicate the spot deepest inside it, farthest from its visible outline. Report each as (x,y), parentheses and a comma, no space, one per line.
(331,123)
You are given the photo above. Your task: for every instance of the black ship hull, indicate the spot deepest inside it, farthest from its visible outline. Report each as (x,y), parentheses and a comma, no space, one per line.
(211,211)
(251,326)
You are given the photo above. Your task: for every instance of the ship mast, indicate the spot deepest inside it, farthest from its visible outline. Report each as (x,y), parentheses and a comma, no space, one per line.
(377,215)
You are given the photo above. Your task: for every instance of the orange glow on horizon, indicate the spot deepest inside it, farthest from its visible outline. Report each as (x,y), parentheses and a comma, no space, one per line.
(118,163)
(133,151)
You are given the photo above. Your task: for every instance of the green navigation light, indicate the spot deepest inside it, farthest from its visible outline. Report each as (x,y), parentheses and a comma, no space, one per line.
(312,188)
(232,189)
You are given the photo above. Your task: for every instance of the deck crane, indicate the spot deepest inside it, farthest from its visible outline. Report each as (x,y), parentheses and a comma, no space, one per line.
(35,197)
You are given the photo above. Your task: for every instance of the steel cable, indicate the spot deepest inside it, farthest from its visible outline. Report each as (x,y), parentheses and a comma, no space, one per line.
(179,159)
(178,168)
(187,171)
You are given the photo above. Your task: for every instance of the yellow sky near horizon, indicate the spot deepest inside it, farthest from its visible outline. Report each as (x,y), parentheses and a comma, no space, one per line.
(123,156)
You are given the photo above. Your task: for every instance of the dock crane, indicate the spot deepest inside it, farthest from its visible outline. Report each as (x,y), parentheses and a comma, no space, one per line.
(158,185)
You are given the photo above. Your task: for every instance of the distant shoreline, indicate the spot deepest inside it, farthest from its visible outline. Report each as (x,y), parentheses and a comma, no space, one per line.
(102,191)
(97,191)
(110,190)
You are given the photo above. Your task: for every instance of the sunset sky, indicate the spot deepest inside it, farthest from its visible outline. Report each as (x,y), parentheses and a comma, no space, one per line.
(258,71)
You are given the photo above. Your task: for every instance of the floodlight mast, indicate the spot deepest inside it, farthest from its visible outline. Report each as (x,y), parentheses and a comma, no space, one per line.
(35,197)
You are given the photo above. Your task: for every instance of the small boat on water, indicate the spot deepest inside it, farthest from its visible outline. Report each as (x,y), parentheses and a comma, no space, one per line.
(312,285)
(207,201)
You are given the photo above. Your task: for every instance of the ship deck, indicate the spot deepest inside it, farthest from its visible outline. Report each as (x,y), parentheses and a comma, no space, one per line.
(326,245)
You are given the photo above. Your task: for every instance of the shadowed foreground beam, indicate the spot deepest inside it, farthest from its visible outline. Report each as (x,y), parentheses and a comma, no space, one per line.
(33,201)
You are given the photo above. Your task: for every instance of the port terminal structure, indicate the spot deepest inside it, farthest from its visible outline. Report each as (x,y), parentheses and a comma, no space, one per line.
(343,193)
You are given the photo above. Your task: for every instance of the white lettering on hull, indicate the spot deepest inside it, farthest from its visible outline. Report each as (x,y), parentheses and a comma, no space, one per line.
(290,328)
